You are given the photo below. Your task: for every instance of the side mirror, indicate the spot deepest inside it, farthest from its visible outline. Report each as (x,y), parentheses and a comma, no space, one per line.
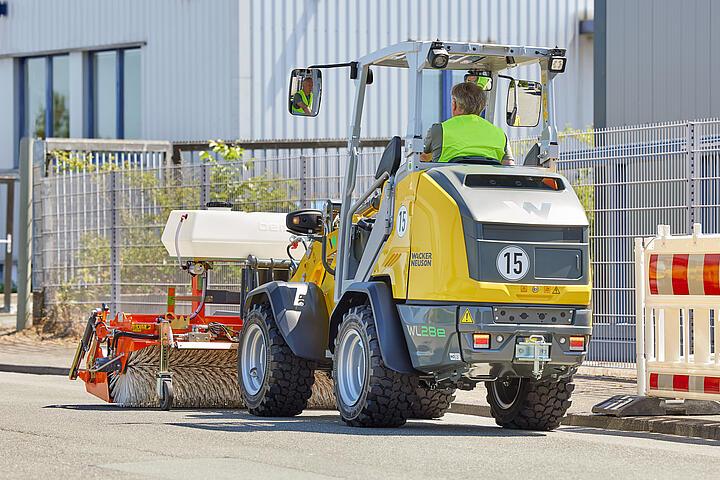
(305,222)
(524,100)
(305,92)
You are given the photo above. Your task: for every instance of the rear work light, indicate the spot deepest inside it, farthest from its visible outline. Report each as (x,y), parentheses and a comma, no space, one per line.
(481,340)
(514,181)
(577,343)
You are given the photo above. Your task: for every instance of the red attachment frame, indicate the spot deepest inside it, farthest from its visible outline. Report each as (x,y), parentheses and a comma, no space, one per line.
(110,333)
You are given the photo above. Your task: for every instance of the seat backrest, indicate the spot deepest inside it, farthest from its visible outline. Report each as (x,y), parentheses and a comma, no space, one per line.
(391,157)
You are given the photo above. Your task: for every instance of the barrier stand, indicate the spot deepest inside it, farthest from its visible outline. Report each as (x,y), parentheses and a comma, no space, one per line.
(677,319)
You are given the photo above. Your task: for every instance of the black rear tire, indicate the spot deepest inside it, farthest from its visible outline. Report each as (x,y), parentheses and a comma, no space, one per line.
(288,379)
(525,404)
(431,403)
(385,399)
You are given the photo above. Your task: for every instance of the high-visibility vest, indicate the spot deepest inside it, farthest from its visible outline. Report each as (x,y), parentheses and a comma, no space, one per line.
(305,100)
(482,82)
(471,136)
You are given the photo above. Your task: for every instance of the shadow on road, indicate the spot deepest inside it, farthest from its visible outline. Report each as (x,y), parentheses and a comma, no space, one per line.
(330,422)
(646,435)
(323,421)
(101,407)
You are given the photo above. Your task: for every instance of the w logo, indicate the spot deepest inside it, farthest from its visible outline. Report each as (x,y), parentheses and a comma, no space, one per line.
(542,210)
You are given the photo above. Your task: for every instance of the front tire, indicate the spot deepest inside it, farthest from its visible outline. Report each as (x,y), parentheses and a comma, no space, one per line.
(525,404)
(368,394)
(274,382)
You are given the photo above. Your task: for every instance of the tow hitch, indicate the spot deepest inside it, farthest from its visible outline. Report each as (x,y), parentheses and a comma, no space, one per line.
(533,349)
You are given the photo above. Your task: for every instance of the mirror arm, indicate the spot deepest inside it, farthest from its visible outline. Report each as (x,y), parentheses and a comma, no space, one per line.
(549,149)
(353,67)
(323,253)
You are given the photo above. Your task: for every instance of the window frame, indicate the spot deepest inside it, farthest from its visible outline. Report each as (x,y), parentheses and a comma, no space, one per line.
(22,97)
(119,90)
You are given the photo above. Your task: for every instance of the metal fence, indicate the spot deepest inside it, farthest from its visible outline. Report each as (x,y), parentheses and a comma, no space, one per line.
(100,210)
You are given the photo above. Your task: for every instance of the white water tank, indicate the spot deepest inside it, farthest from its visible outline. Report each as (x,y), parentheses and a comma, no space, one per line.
(223,234)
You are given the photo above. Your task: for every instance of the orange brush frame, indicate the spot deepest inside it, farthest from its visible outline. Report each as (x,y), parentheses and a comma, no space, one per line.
(97,383)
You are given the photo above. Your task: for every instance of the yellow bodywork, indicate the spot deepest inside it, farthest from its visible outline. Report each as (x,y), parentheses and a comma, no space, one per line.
(429,262)
(311,269)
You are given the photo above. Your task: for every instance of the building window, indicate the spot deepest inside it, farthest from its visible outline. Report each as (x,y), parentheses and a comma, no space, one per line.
(131,93)
(115,94)
(46,91)
(60,95)
(431,98)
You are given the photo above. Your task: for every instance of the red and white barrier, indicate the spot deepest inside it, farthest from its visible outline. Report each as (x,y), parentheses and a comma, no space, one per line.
(677,303)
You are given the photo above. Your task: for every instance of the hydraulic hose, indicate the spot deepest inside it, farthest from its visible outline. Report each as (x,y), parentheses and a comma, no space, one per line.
(177,239)
(202,296)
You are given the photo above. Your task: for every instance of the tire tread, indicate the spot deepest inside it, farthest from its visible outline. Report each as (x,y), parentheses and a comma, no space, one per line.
(290,378)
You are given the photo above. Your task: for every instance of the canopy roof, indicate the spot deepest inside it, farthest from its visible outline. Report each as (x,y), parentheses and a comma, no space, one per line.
(463,56)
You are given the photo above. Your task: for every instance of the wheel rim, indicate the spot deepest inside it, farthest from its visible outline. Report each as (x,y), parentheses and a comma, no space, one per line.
(351,367)
(253,359)
(506,392)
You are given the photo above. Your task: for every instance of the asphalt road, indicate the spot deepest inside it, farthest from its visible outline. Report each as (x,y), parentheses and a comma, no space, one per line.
(49,428)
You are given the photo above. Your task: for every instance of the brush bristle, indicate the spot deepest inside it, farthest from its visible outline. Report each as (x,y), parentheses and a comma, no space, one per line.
(201,379)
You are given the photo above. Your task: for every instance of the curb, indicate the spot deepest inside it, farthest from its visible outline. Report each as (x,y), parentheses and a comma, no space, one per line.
(684,427)
(34,369)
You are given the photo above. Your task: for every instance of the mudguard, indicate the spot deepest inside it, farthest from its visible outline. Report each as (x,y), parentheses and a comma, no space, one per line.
(300,313)
(393,347)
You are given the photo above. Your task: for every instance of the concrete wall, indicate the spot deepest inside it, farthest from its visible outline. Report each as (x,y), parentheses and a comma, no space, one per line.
(661,60)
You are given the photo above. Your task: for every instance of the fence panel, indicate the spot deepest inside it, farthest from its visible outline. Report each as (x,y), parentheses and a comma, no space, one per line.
(629,180)
(100,208)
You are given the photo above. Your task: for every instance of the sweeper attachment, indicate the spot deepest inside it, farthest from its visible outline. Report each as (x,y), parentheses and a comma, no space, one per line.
(190,360)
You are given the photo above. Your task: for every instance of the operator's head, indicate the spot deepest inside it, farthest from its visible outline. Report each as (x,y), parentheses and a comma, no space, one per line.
(467,98)
(307,85)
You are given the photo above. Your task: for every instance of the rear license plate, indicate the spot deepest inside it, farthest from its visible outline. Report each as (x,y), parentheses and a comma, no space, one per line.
(531,351)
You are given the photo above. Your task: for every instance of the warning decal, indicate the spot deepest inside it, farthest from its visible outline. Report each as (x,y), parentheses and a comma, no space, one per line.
(466,318)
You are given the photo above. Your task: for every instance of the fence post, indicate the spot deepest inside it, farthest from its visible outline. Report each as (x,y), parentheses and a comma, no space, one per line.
(114,243)
(24,277)
(204,186)
(640,354)
(690,147)
(303,181)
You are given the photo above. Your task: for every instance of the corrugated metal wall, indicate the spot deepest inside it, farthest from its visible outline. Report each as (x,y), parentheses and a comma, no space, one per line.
(292,33)
(219,69)
(662,58)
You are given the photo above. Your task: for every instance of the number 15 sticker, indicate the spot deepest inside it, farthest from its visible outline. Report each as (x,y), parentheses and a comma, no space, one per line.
(513,263)
(402,221)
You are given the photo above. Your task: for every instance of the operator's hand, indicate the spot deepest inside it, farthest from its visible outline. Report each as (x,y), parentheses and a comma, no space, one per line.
(508,162)
(426,157)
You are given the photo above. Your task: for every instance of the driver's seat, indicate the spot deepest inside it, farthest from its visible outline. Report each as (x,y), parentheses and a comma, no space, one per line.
(391,158)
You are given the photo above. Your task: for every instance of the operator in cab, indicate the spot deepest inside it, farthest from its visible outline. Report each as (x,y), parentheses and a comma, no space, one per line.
(466,134)
(302,102)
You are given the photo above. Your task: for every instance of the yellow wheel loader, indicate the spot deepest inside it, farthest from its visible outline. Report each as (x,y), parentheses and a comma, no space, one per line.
(437,277)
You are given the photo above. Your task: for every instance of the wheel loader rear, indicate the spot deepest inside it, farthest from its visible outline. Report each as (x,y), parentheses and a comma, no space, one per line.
(439,276)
